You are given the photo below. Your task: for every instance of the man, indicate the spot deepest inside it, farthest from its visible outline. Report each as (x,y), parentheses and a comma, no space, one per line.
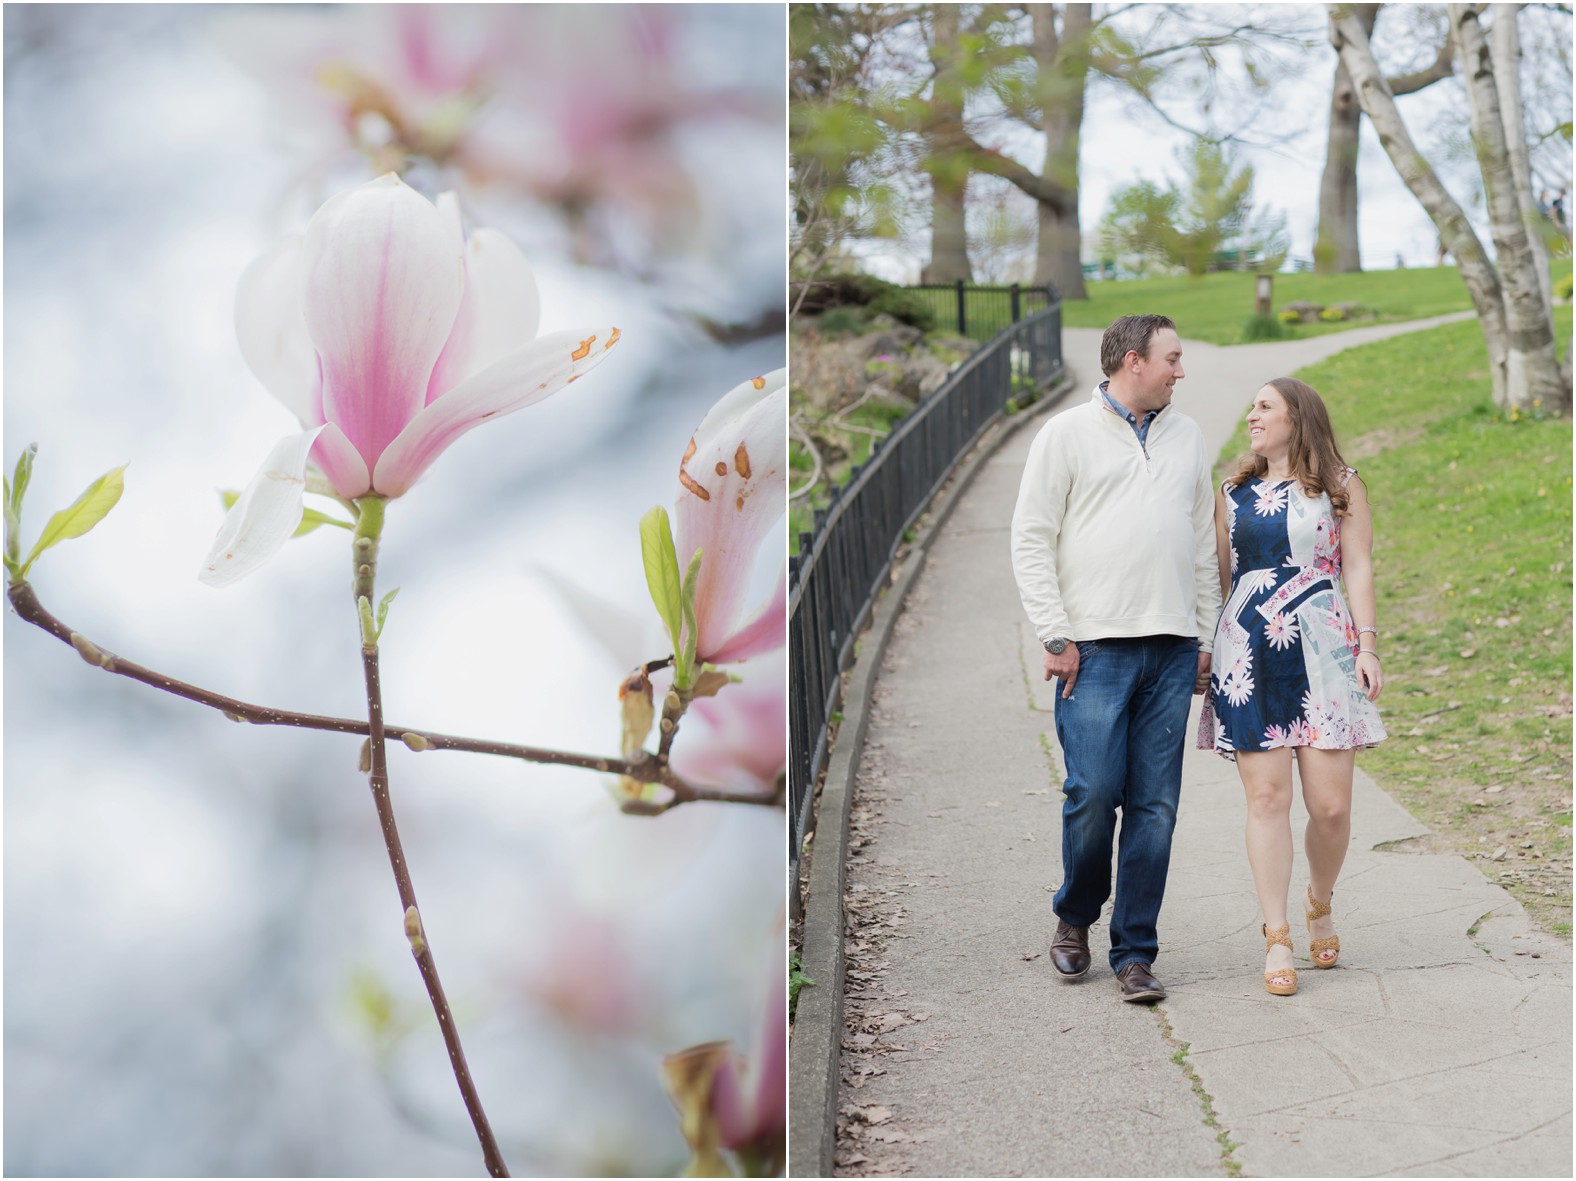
(1113,547)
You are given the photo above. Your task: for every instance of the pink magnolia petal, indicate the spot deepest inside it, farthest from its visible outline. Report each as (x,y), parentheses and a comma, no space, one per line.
(499,313)
(264,516)
(384,279)
(749,1101)
(765,631)
(738,740)
(529,374)
(272,331)
(341,464)
(732,490)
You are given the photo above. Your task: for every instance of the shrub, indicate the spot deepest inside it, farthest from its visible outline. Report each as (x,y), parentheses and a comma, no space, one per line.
(841,322)
(1562,289)
(1331,315)
(1264,328)
(908,306)
(1288,316)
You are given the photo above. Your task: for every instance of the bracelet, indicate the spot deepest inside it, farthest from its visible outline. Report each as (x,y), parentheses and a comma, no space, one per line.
(1374,631)
(1369,652)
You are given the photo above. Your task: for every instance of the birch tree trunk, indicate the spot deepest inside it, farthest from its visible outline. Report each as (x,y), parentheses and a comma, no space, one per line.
(1505,47)
(1477,272)
(1532,372)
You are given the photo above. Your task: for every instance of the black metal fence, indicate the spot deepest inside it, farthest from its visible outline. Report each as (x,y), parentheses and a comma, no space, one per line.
(982,312)
(845,561)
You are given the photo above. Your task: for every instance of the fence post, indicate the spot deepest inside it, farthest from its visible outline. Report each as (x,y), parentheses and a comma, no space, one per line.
(1015,314)
(963,326)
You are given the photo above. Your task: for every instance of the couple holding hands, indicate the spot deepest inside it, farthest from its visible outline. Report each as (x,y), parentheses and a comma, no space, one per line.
(1123,553)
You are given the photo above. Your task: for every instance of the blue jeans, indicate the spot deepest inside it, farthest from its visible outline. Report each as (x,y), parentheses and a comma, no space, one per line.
(1122,733)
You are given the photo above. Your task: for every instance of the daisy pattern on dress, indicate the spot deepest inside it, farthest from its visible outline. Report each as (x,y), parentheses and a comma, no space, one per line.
(1281,631)
(1300,733)
(1275,736)
(1255,581)
(1238,686)
(1270,499)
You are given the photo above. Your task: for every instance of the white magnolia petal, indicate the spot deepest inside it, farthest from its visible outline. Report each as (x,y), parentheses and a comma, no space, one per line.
(500,311)
(732,490)
(764,631)
(264,516)
(383,281)
(529,374)
(341,464)
(272,331)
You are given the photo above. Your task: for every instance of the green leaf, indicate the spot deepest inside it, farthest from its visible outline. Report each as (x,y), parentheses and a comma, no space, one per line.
(310,518)
(662,571)
(383,609)
(684,668)
(19,482)
(87,511)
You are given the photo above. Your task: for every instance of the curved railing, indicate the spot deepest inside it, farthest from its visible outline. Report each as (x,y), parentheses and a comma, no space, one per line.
(844,563)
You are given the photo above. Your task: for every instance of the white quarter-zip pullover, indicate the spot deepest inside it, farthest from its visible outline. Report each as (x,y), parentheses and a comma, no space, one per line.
(1113,539)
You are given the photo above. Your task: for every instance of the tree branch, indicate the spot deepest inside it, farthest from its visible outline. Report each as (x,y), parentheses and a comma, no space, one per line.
(645,769)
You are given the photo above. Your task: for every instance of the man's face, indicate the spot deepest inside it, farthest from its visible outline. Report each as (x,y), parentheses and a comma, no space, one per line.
(1155,376)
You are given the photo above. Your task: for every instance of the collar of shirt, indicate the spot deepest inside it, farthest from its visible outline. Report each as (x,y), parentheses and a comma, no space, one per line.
(1141,429)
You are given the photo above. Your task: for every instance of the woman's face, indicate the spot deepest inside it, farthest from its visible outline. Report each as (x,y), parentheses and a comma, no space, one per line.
(1269,424)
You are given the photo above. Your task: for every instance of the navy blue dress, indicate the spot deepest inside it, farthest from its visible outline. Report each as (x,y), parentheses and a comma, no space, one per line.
(1284,671)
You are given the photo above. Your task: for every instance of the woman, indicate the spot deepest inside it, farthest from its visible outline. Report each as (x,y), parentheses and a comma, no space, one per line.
(1294,676)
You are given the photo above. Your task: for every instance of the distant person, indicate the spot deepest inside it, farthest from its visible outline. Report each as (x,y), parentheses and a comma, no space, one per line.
(1557,208)
(1400,263)
(1296,672)
(1113,548)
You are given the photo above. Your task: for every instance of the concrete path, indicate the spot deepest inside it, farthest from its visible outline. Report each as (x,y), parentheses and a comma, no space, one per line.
(1441,1045)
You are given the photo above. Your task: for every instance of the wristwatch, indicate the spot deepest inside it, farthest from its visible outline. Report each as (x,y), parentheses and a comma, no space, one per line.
(1056,645)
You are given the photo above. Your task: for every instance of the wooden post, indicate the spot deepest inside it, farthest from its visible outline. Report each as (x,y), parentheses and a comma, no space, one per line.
(1262,288)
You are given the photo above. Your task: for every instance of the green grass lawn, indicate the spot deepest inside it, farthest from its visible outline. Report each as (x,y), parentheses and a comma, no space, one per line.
(1472,557)
(1214,308)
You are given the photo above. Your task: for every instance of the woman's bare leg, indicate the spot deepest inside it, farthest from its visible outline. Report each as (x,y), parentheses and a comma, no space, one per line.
(1327,791)
(1266,781)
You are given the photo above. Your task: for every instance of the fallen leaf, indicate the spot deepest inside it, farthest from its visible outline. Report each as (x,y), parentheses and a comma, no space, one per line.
(1031,955)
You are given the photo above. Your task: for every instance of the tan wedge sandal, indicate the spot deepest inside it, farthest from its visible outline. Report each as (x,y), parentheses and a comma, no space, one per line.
(1317,910)
(1276,982)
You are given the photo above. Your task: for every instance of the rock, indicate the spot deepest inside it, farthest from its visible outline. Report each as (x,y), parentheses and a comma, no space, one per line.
(922,374)
(1307,313)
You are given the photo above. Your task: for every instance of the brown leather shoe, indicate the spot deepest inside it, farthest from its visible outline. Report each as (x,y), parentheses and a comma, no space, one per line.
(1139,984)
(1070,951)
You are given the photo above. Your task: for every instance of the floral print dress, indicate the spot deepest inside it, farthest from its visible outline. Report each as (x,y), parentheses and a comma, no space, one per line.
(1285,660)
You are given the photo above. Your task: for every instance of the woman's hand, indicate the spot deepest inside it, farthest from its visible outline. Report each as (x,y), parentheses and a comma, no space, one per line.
(1370,674)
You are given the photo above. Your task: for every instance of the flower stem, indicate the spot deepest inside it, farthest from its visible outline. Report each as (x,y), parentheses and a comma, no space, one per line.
(369,529)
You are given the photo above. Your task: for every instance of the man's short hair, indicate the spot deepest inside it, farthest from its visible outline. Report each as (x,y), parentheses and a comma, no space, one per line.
(1129,334)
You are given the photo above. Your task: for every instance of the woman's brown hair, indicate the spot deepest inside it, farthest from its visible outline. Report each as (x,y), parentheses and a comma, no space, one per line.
(1315,460)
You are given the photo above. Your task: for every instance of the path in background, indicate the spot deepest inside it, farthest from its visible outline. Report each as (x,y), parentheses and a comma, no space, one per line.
(1440,1046)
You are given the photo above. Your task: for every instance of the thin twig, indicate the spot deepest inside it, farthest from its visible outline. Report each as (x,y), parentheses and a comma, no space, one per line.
(365,558)
(644,769)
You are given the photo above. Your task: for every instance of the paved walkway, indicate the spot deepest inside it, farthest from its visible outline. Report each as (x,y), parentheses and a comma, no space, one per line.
(1441,1045)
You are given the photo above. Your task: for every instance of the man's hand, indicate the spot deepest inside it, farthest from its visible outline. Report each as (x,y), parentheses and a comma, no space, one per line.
(1064,666)
(1201,682)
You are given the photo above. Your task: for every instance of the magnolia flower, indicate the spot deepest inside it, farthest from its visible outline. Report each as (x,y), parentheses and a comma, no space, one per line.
(732,491)
(740,1104)
(389,334)
(738,739)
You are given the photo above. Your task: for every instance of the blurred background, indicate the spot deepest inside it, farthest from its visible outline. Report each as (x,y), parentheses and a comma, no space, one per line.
(205,966)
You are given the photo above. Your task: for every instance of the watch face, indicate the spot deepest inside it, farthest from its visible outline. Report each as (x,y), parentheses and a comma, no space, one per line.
(1055,646)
